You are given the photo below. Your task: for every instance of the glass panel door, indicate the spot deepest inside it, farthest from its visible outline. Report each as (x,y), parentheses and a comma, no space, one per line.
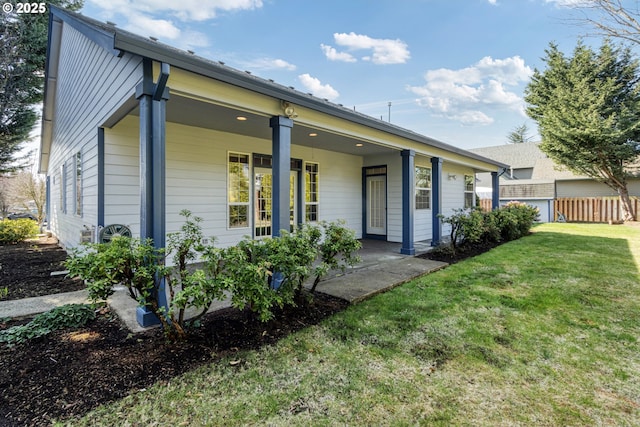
(263,192)
(377,205)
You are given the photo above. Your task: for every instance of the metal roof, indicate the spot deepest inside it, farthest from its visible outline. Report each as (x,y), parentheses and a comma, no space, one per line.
(119,41)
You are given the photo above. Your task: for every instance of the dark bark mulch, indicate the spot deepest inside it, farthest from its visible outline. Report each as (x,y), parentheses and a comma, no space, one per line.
(26,267)
(466,251)
(69,372)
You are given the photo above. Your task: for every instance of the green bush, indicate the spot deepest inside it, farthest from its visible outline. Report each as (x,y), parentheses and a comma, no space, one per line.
(515,219)
(259,274)
(17,230)
(471,227)
(66,316)
(270,273)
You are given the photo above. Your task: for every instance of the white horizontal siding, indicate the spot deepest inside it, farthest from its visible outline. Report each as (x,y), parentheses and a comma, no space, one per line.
(196,178)
(423,226)
(91,85)
(452,190)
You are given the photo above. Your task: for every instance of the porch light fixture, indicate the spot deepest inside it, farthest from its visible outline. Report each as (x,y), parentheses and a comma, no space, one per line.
(359,144)
(289,111)
(313,134)
(241,118)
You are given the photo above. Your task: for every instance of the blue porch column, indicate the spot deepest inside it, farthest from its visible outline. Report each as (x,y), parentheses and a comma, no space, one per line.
(436,197)
(281,166)
(152,101)
(408,201)
(495,186)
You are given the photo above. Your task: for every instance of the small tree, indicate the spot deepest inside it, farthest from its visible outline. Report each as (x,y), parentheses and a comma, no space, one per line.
(588,112)
(519,135)
(26,189)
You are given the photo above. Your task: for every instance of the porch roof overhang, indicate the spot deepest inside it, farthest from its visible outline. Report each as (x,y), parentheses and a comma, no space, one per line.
(338,128)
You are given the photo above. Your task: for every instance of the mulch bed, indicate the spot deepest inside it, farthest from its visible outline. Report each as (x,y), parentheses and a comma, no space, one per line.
(69,372)
(25,269)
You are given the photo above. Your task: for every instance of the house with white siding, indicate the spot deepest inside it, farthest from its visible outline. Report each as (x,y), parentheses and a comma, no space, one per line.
(535,179)
(134,131)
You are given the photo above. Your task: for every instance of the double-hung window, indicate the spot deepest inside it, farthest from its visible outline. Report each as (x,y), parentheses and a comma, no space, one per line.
(238,190)
(469,181)
(63,188)
(423,187)
(311,192)
(78,183)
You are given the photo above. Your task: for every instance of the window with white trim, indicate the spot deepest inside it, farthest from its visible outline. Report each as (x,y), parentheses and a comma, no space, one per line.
(63,189)
(238,190)
(312,191)
(469,182)
(78,183)
(423,187)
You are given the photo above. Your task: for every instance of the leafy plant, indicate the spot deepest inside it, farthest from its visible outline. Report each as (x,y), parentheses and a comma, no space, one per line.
(192,287)
(471,227)
(259,274)
(66,316)
(4,292)
(338,250)
(17,230)
(140,267)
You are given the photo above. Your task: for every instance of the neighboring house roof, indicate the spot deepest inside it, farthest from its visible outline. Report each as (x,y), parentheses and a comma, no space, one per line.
(518,156)
(528,155)
(119,41)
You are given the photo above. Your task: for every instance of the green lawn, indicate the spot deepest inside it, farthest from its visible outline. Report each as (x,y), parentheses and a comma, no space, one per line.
(541,331)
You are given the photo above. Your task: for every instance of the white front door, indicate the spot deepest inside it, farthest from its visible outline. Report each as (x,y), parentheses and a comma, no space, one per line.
(377,205)
(263,186)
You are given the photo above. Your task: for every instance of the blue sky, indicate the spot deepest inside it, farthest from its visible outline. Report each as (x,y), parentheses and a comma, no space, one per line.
(454,70)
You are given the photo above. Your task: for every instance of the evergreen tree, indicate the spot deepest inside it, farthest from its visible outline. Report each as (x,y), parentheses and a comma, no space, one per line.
(588,112)
(519,135)
(23,45)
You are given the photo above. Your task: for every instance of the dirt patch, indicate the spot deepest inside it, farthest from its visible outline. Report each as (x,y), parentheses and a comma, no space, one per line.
(25,269)
(69,372)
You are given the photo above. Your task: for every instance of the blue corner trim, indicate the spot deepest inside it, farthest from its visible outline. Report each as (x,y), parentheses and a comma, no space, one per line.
(101,188)
(47,210)
(436,202)
(281,165)
(408,201)
(146,318)
(495,187)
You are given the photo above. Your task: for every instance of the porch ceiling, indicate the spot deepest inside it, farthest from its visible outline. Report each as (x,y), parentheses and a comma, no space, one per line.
(221,118)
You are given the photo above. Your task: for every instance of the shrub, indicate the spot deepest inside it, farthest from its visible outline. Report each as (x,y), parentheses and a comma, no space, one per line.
(17,230)
(66,316)
(471,226)
(269,273)
(140,267)
(259,274)
(467,227)
(515,219)
(338,250)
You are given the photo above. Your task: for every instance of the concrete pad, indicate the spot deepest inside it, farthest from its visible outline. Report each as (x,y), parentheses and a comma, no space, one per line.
(359,284)
(36,305)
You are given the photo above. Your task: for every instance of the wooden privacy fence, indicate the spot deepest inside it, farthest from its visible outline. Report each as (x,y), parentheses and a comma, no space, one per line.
(592,209)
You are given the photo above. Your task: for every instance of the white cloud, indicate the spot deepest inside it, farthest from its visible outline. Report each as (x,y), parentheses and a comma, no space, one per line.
(145,26)
(383,51)
(494,2)
(185,10)
(316,87)
(467,94)
(271,64)
(333,55)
